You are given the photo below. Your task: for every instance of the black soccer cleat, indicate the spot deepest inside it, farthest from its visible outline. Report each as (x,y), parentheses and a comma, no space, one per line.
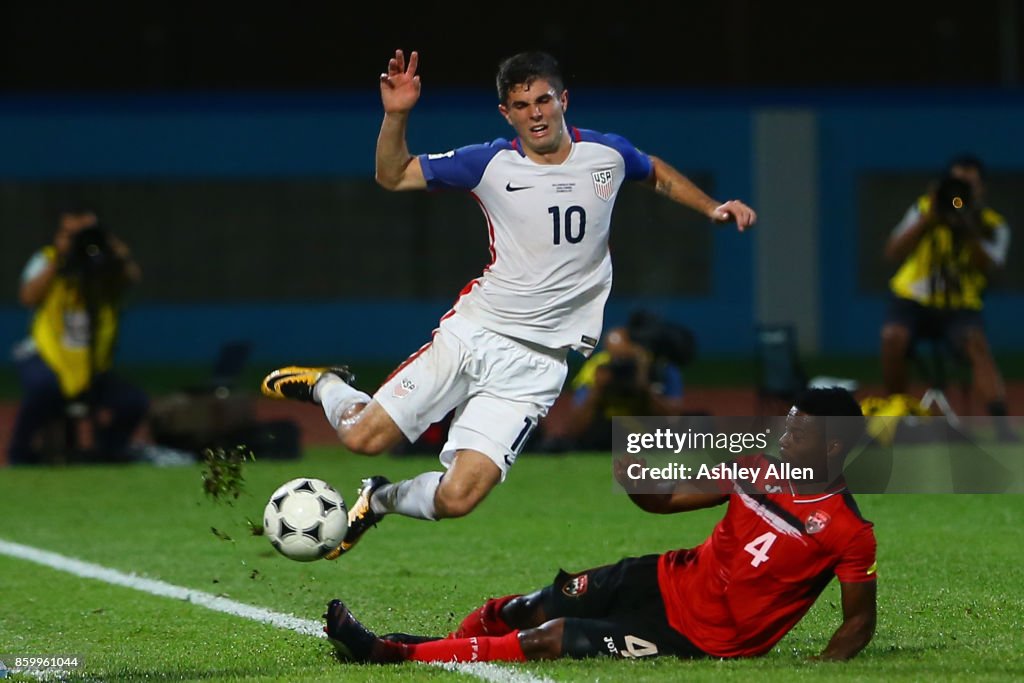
(360,516)
(296,382)
(353,642)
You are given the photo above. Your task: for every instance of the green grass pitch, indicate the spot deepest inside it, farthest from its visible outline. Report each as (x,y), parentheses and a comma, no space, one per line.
(950,575)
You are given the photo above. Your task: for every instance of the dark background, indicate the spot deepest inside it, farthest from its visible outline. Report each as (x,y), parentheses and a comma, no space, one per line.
(232,146)
(317,239)
(315,45)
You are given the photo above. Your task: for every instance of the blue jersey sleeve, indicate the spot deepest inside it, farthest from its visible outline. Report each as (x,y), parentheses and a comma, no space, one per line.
(460,168)
(638,164)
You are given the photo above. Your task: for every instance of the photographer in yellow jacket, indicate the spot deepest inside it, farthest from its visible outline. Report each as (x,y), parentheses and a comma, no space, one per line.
(947,245)
(75,287)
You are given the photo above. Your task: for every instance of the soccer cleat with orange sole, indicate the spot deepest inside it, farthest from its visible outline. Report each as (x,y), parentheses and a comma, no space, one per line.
(360,516)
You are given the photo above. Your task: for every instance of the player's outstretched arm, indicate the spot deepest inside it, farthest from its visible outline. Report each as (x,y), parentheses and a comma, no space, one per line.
(669,182)
(859,614)
(666,503)
(397,169)
(671,503)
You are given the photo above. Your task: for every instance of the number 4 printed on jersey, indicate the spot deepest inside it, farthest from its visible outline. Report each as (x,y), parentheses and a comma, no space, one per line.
(759,548)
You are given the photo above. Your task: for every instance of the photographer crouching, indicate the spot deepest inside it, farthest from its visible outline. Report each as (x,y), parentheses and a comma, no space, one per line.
(946,245)
(638,372)
(75,287)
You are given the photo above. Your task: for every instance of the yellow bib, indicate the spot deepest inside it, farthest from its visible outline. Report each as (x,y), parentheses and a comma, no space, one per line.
(615,406)
(61,329)
(938,272)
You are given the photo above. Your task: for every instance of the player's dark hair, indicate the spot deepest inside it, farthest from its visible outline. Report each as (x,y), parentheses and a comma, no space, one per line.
(524,68)
(835,402)
(968,161)
(828,402)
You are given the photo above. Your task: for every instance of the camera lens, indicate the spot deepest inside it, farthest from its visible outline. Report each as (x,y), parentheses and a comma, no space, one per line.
(953,194)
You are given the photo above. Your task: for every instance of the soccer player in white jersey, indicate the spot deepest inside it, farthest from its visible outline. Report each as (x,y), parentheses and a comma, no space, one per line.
(498,358)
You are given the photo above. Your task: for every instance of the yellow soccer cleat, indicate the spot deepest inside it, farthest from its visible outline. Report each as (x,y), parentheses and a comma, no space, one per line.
(297,382)
(360,516)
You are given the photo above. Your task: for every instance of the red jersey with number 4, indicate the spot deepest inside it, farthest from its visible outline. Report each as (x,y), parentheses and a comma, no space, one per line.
(768,559)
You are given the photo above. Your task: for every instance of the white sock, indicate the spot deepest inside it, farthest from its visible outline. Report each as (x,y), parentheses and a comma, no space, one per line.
(411,497)
(336,397)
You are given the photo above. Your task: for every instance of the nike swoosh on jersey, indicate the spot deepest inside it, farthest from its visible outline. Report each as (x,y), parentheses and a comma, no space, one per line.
(509,188)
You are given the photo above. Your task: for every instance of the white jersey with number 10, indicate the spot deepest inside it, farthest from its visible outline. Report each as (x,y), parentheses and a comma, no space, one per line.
(550,271)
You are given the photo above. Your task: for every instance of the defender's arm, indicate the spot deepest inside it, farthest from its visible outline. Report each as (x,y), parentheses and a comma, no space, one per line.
(859,615)
(679,499)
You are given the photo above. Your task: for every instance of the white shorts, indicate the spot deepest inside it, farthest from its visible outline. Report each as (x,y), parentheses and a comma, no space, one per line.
(500,388)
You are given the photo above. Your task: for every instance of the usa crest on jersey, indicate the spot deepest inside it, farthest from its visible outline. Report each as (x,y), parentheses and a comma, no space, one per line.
(404,389)
(604,184)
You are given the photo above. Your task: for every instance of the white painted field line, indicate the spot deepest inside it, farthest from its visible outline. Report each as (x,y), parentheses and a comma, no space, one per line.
(492,672)
(88,570)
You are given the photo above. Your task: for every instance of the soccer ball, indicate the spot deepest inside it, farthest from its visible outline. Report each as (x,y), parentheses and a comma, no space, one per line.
(305,519)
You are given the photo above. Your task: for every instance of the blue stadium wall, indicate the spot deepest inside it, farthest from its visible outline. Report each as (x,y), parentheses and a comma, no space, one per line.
(300,135)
